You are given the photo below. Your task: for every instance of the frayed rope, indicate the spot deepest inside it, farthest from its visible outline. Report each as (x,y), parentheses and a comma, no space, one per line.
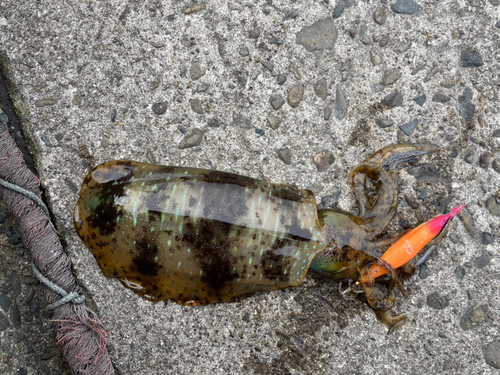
(80,333)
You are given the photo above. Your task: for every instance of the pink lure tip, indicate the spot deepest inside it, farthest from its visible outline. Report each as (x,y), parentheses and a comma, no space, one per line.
(456,210)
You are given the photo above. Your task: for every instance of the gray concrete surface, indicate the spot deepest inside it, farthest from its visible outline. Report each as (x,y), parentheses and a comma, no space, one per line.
(86,77)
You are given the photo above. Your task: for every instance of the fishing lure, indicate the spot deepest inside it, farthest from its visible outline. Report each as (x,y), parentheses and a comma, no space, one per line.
(200,236)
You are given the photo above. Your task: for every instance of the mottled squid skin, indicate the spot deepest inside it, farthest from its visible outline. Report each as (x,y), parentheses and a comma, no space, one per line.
(200,236)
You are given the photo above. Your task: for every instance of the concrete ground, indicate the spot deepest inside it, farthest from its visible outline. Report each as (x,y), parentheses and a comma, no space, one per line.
(208,85)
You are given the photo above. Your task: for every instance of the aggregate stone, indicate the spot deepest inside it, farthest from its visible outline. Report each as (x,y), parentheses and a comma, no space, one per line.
(324,160)
(281,79)
(394,99)
(363,34)
(464,105)
(380,16)
(290,16)
(402,47)
(406,7)
(449,83)
(244,52)
(492,354)
(391,76)
(196,106)
(45,102)
(276,101)
(4,321)
(196,72)
(254,33)
(496,133)
(411,201)
(327,113)
(437,301)
(375,57)
(5,302)
(416,70)
(498,24)
(460,272)
(193,139)
(339,9)
(493,206)
(409,127)
(473,317)
(260,132)
(470,294)
(319,36)
(3,118)
(384,122)
(496,165)
(470,59)
(159,108)
(15,284)
(295,96)
(420,100)
(434,70)
(495,3)
(269,65)
(320,88)
(15,239)
(440,97)
(241,121)
(341,105)
(383,41)
(293,69)
(485,159)
(424,272)
(202,87)
(35,308)
(274,122)
(470,156)
(15,316)
(486,238)
(424,170)
(285,155)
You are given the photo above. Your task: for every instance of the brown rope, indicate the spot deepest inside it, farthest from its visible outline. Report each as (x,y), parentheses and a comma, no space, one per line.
(80,333)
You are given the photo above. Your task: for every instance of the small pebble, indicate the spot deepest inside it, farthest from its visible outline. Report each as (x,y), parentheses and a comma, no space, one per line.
(470,59)
(424,272)
(276,101)
(420,100)
(274,122)
(384,123)
(281,79)
(394,99)
(437,301)
(260,131)
(439,97)
(383,41)
(380,16)
(409,127)
(406,7)
(460,272)
(295,96)
(285,155)
(323,161)
(160,108)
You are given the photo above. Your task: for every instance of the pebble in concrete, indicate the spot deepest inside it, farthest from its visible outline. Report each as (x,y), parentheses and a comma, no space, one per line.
(196,72)
(341,105)
(295,96)
(274,122)
(193,139)
(159,108)
(285,155)
(470,59)
(391,76)
(406,7)
(394,99)
(323,160)
(409,127)
(319,36)
(380,16)
(420,100)
(276,101)
(320,88)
